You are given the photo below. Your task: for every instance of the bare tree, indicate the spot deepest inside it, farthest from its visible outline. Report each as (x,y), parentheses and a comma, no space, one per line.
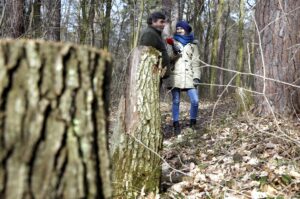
(15,18)
(219,5)
(51,19)
(106,25)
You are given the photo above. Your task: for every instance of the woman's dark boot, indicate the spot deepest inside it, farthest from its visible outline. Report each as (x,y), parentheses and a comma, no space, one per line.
(177,129)
(192,123)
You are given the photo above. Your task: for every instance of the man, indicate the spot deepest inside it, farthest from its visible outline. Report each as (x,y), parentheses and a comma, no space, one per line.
(152,36)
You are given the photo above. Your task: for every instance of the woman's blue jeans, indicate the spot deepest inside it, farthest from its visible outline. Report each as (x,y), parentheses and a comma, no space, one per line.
(194,100)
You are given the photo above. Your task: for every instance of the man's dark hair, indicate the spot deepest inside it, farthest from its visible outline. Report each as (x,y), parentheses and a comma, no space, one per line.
(155,16)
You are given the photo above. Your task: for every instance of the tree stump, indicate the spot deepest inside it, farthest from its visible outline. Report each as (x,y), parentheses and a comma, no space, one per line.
(137,139)
(53,141)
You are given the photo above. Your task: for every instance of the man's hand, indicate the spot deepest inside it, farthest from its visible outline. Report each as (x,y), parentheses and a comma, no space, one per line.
(175,48)
(170,41)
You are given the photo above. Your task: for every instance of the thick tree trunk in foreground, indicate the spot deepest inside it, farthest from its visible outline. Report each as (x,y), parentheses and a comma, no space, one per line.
(52,121)
(137,138)
(280,26)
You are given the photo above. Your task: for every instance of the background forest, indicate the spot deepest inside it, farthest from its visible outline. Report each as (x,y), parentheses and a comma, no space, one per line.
(225,30)
(249,91)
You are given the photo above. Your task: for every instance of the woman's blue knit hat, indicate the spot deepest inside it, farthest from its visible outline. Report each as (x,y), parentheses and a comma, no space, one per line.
(184,25)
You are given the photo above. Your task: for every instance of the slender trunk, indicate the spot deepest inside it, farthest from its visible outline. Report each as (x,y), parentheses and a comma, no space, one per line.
(251,57)
(207,37)
(2,18)
(131,5)
(84,23)
(215,47)
(136,36)
(181,4)
(223,47)
(52,19)
(53,111)
(240,44)
(196,20)
(66,21)
(36,19)
(106,29)
(91,21)
(137,140)
(15,18)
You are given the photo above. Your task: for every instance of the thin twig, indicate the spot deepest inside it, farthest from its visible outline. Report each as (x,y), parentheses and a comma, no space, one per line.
(215,105)
(2,15)
(141,143)
(249,74)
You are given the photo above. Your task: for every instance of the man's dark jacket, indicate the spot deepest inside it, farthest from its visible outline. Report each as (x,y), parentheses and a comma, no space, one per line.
(152,37)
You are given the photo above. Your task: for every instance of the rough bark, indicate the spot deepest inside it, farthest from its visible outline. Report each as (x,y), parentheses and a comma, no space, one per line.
(137,139)
(279,26)
(52,121)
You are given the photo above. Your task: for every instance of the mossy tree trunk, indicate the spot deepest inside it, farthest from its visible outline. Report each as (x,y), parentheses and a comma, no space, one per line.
(219,4)
(137,140)
(52,121)
(106,24)
(240,44)
(244,98)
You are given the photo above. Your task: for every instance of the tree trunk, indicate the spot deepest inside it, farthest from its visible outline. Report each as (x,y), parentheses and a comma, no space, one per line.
(137,139)
(279,26)
(52,19)
(240,44)
(15,18)
(215,47)
(36,19)
(223,52)
(52,121)
(84,21)
(106,25)
(243,98)
(92,21)
(137,32)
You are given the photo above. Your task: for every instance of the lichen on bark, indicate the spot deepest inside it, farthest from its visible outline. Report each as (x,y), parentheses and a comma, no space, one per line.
(137,140)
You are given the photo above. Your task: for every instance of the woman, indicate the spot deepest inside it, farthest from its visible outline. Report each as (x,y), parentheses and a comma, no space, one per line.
(185,72)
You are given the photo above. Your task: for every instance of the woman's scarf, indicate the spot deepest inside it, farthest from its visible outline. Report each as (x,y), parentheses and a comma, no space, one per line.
(184,39)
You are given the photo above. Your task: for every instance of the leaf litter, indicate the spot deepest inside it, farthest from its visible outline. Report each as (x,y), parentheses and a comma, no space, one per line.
(230,156)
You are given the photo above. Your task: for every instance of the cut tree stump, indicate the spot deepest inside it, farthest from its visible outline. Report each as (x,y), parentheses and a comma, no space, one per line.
(53,109)
(137,138)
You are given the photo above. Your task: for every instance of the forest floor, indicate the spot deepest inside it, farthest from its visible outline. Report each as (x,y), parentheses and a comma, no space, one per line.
(229,155)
